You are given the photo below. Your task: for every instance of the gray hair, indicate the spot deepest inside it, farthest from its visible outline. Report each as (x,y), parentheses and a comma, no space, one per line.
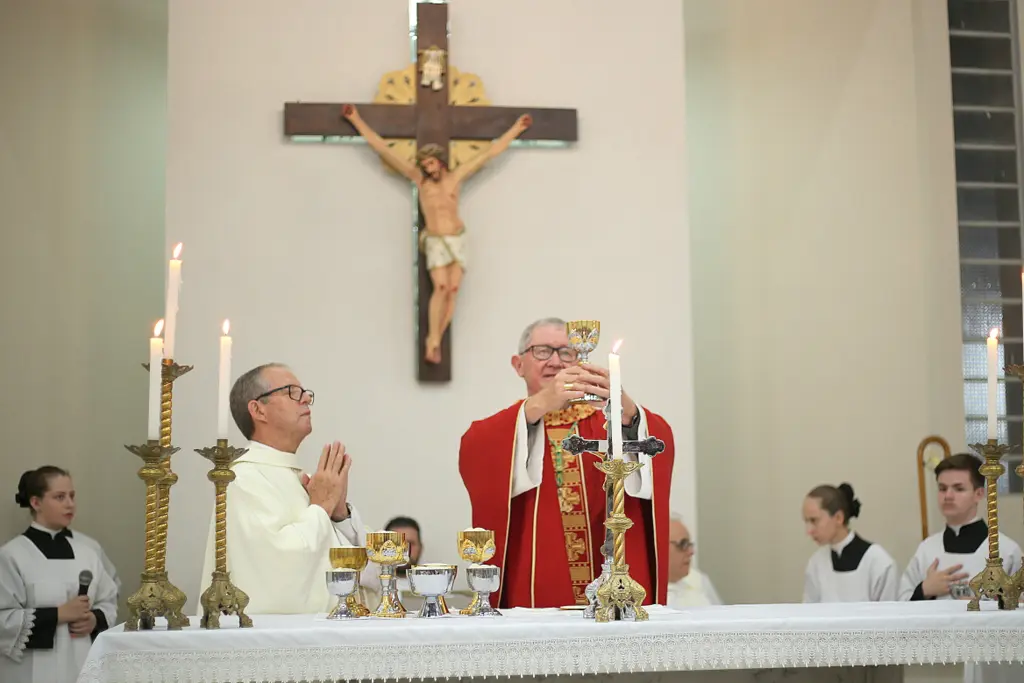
(524,338)
(245,389)
(674,516)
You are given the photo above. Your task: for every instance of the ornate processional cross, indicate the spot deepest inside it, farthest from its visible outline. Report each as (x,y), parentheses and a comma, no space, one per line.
(429,102)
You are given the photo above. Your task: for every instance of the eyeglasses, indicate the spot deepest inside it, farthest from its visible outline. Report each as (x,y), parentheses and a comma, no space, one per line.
(544,352)
(295,393)
(683,545)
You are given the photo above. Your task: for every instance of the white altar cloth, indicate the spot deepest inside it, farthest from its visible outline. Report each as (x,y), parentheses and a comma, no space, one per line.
(546,642)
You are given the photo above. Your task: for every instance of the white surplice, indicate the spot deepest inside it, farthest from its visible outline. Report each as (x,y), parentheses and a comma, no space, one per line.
(852,570)
(693,590)
(531,447)
(278,543)
(31,588)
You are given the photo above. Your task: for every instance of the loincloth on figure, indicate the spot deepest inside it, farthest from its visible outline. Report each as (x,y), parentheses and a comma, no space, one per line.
(442,250)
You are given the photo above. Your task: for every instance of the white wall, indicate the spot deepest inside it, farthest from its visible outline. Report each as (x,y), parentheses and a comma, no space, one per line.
(306,248)
(81,208)
(826,307)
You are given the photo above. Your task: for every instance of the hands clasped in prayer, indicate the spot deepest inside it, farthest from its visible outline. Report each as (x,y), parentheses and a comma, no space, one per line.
(328,487)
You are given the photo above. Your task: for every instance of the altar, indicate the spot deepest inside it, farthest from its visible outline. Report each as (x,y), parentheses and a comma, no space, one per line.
(854,641)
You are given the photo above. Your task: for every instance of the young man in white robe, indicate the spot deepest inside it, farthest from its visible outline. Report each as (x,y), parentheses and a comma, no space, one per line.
(282,522)
(56,596)
(946,561)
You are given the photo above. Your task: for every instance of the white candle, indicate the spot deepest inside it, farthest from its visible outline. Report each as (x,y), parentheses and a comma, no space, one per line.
(171,308)
(156,355)
(993,359)
(615,377)
(224,383)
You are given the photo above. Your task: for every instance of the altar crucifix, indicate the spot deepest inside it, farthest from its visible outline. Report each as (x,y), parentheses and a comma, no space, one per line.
(434,126)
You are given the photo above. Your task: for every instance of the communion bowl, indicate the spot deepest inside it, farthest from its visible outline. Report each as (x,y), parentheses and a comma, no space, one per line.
(483,578)
(431,581)
(349,558)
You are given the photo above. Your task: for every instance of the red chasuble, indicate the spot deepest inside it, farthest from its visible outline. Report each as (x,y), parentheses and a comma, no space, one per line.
(549,538)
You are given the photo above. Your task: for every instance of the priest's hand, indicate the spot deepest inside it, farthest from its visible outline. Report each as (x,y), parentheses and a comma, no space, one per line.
(328,487)
(73,610)
(83,627)
(600,381)
(938,581)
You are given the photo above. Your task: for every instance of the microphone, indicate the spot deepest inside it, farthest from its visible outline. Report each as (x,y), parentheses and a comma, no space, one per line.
(84,579)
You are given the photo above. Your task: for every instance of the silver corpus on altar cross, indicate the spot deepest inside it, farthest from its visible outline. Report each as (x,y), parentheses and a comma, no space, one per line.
(577,445)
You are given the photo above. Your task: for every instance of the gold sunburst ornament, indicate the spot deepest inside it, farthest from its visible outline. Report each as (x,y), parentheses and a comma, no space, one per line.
(464,90)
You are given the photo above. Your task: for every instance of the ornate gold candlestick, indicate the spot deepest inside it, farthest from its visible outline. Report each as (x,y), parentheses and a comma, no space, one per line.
(1019,576)
(222,597)
(993,581)
(154,599)
(387,549)
(352,558)
(619,598)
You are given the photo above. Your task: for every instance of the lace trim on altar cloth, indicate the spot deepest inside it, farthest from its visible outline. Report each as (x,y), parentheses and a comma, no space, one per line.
(598,654)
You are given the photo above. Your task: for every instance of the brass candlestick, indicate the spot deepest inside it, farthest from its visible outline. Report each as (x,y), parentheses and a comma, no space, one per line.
(154,599)
(1019,576)
(222,597)
(993,582)
(619,598)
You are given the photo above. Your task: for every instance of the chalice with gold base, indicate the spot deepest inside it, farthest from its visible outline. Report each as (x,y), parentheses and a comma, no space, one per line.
(352,558)
(388,549)
(477,546)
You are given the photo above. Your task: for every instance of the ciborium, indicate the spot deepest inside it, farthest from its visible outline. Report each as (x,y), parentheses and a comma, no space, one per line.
(477,546)
(352,558)
(993,582)
(432,582)
(388,549)
(583,338)
(342,583)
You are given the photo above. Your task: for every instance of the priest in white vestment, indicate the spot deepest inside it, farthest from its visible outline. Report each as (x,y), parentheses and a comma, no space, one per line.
(688,586)
(282,523)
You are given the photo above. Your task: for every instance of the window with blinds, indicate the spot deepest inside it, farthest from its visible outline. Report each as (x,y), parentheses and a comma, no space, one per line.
(985,71)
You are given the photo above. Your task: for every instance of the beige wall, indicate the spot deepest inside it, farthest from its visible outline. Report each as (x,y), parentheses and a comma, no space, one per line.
(81,204)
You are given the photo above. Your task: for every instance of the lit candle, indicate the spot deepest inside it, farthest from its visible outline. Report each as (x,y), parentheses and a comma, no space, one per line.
(171,309)
(156,355)
(993,360)
(615,377)
(224,383)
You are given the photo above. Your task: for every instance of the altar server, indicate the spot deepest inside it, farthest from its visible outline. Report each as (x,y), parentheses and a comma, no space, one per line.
(55,595)
(282,523)
(846,568)
(946,561)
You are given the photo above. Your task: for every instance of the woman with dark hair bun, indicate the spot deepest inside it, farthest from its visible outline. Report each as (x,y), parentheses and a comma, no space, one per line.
(846,568)
(56,595)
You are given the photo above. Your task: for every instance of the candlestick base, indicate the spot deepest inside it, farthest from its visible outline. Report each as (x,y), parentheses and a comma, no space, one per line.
(156,597)
(223,598)
(995,584)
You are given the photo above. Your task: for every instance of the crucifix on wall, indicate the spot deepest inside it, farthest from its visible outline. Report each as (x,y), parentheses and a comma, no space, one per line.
(435,126)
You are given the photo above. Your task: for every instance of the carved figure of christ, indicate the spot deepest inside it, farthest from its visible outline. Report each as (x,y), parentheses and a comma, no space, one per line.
(442,240)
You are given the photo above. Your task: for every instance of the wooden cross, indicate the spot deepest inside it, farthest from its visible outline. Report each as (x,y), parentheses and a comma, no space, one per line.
(430,120)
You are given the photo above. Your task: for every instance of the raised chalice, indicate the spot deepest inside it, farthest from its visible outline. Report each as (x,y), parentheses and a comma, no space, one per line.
(477,546)
(583,337)
(431,582)
(387,549)
(342,583)
(352,558)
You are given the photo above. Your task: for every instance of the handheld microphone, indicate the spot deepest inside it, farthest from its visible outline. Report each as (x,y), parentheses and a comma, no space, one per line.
(84,579)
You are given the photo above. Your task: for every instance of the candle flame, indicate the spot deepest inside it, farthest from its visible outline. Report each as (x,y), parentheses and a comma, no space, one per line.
(226,327)
(177,251)
(615,347)
(993,333)
(158,328)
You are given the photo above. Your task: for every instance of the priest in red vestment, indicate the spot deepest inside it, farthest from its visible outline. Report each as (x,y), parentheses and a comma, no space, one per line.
(545,505)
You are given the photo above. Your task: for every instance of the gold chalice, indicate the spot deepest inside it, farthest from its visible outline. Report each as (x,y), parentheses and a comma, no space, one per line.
(352,558)
(477,546)
(583,337)
(387,549)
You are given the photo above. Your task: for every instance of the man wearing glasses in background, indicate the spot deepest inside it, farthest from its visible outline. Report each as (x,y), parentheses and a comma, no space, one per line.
(282,523)
(545,505)
(688,586)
